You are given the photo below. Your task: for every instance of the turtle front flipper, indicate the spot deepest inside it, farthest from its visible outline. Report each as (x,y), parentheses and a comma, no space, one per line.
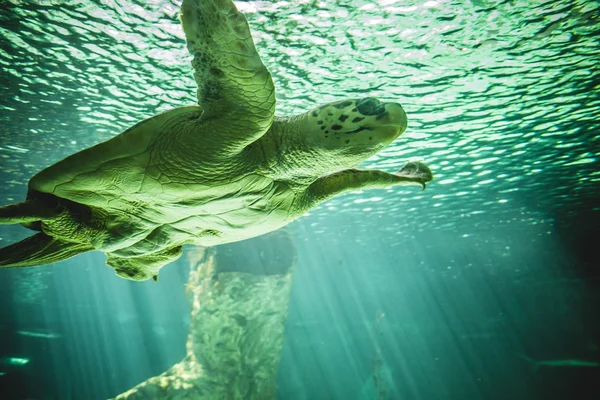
(39,249)
(413,173)
(233,83)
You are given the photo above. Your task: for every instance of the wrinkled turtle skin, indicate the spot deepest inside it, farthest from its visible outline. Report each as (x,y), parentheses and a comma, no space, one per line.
(220,171)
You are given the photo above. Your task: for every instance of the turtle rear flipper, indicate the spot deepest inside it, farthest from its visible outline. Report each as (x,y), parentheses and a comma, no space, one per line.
(39,249)
(143,267)
(26,212)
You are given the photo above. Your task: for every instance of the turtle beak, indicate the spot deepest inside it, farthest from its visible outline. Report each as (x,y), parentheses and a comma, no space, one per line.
(386,113)
(391,123)
(397,117)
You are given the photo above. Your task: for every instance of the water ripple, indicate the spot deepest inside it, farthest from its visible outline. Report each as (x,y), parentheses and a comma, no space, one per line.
(502,97)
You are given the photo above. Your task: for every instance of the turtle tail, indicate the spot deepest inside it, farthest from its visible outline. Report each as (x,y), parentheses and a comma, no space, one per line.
(39,249)
(26,212)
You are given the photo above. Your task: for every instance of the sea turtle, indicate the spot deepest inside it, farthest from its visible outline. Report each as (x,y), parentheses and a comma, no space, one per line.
(223,170)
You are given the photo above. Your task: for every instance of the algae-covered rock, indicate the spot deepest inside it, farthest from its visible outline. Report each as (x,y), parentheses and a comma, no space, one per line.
(239,297)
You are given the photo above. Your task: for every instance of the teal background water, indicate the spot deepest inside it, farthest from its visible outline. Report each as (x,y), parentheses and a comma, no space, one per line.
(442,291)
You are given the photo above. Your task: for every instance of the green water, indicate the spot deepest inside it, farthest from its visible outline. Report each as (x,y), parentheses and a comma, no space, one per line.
(495,259)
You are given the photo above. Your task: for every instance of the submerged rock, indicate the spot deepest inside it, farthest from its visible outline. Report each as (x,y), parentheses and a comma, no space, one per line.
(239,297)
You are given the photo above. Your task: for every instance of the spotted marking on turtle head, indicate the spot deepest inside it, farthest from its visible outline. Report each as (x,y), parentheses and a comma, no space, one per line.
(364,125)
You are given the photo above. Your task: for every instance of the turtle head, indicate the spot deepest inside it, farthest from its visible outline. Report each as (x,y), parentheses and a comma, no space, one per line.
(350,131)
(330,138)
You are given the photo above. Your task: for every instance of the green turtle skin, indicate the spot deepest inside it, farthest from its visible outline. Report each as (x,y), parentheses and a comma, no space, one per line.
(223,170)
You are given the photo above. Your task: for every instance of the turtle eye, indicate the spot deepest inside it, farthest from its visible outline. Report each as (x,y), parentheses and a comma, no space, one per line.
(370,106)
